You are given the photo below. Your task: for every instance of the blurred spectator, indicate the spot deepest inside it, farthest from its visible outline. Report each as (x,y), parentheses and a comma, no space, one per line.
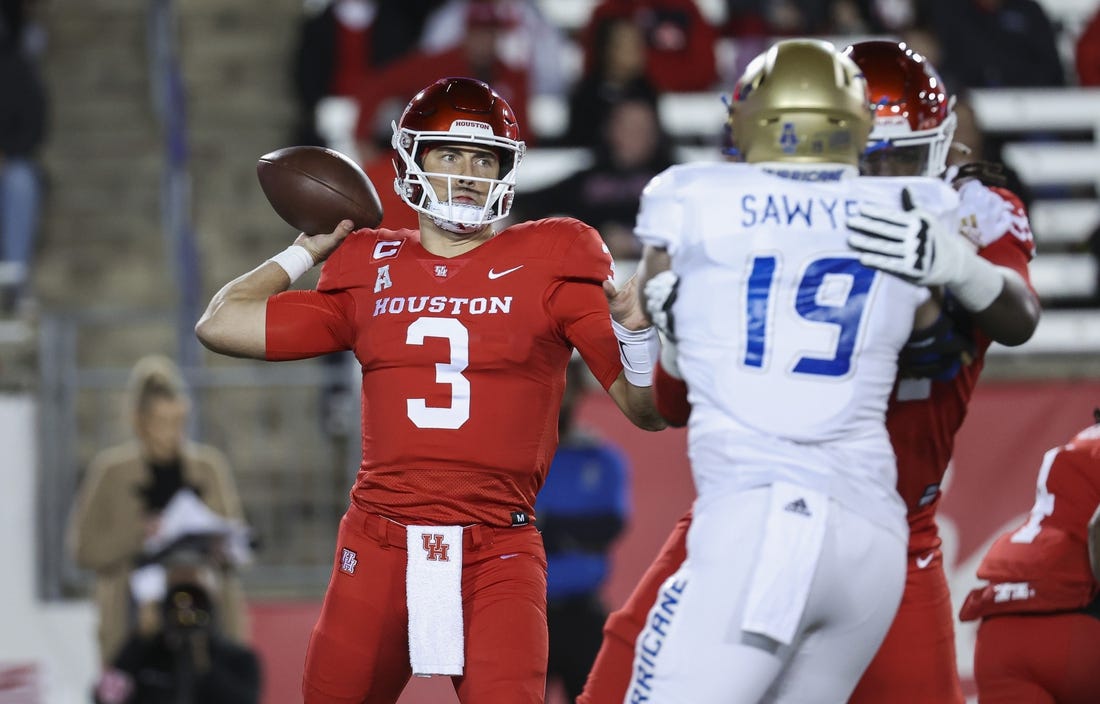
(381,172)
(747,23)
(995,43)
(528,40)
(1088,53)
(385,93)
(679,41)
(633,149)
(746,18)
(22,131)
(120,503)
(887,16)
(581,510)
(1040,608)
(617,71)
(341,43)
(178,653)
(789,18)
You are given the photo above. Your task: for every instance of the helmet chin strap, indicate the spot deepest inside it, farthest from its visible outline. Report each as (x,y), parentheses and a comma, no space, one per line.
(451,217)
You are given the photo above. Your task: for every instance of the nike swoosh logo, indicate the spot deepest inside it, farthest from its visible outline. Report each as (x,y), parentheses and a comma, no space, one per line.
(924,560)
(498,274)
(509,556)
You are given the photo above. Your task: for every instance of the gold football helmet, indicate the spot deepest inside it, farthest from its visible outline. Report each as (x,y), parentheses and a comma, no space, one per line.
(801,101)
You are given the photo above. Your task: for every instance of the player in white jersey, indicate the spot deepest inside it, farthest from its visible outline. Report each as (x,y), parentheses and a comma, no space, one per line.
(796,556)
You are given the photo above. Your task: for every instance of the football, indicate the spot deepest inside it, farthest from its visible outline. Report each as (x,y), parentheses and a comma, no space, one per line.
(314,188)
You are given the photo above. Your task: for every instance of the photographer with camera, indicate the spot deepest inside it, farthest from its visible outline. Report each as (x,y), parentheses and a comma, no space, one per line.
(178,654)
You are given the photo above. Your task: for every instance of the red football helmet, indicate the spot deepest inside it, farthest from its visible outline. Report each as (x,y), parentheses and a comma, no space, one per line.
(457,111)
(914,120)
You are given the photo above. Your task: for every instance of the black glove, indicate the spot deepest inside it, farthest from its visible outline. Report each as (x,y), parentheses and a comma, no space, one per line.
(940,350)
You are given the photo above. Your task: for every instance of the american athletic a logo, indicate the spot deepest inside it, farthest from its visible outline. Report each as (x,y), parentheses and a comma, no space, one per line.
(383,281)
(348,561)
(435,547)
(788,139)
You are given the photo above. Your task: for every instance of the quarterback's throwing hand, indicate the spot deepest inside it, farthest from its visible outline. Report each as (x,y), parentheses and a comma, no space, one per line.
(910,243)
(624,305)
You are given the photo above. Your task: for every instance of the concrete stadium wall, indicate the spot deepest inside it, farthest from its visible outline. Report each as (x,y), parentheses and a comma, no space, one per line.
(56,639)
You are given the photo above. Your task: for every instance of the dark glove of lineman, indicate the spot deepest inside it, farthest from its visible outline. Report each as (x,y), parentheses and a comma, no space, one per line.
(937,352)
(660,294)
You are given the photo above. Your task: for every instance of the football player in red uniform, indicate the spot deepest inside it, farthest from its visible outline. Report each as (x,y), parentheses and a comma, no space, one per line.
(463,334)
(913,130)
(1039,637)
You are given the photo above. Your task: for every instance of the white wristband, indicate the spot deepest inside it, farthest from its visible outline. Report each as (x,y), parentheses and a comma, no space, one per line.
(295,260)
(979,285)
(638,350)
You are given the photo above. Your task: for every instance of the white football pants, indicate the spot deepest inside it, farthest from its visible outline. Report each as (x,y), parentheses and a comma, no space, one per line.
(694,649)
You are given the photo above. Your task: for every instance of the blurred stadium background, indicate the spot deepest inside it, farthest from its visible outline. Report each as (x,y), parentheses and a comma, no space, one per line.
(159,110)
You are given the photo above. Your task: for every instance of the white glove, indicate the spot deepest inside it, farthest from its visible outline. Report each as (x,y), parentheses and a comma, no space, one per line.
(660,294)
(913,244)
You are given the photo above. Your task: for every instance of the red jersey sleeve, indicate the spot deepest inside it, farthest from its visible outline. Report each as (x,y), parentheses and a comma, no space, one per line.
(1043,565)
(995,219)
(578,302)
(302,324)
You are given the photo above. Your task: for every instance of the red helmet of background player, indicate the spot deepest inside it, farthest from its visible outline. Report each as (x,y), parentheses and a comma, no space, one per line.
(914,120)
(457,111)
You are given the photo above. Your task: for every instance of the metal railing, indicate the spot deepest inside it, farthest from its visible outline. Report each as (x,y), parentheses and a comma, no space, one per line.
(290,431)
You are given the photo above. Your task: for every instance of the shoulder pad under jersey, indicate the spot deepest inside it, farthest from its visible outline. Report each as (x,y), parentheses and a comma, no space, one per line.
(661,215)
(347,267)
(987,214)
(576,248)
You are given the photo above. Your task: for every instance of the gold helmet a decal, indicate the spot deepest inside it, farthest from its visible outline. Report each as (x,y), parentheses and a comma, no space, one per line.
(801,102)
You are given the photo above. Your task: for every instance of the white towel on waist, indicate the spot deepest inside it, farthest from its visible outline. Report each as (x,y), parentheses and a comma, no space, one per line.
(433,591)
(793,535)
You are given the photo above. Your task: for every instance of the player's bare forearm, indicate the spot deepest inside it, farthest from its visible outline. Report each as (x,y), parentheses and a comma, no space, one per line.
(1012,317)
(1094,544)
(235,322)
(637,403)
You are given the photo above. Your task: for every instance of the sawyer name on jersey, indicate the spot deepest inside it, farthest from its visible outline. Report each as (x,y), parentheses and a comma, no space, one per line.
(754,213)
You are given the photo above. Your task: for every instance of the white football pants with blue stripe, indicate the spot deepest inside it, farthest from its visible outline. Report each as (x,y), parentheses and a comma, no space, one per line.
(780,600)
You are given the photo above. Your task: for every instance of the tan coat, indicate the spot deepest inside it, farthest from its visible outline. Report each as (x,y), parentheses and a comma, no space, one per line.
(107,527)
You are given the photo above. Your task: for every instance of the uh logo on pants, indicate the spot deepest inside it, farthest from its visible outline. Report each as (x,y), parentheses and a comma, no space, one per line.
(434,546)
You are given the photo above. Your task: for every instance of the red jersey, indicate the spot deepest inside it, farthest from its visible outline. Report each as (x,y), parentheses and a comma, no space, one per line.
(463,360)
(1043,566)
(924,415)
